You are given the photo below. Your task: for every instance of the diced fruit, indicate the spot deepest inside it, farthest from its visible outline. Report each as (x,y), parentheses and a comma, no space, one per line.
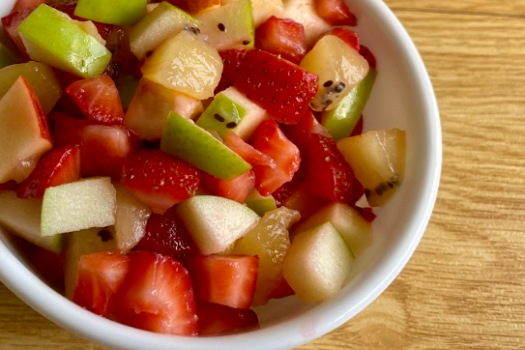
(22,218)
(150,106)
(123,62)
(270,140)
(222,115)
(247,152)
(269,240)
(317,264)
(303,200)
(231,60)
(11,24)
(186,64)
(340,69)
(40,77)
(51,37)
(98,99)
(157,296)
(67,130)
(283,290)
(299,134)
(348,36)
(158,26)
(378,159)
(99,278)
(7,57)
(358,129)
(236,189)
(262,9)
(127,86)
(185,140)
(260,204)
(131,219)
(220,320)
(303,11)
(366,213)
(201,6)
(26,4)
(159,180)
(335,12)
(283,37)
(77,206)
(329,175)
(355,231)
(224,280)
(182,4)
(279,86)
(215,222)
(166,235)
(24,133)
(342,120)
(369,56)
(118,12)
(91,29)
(58,167)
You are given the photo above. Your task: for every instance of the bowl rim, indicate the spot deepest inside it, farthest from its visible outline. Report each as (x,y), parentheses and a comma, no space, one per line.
(285,335)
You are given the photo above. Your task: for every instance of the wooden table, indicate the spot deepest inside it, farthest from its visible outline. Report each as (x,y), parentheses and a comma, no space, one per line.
(464,288)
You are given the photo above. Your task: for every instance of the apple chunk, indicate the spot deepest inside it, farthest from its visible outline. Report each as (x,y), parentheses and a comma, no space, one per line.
(79,205)
(117,12)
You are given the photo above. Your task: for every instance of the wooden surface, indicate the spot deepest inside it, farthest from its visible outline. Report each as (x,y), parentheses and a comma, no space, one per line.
(464,288)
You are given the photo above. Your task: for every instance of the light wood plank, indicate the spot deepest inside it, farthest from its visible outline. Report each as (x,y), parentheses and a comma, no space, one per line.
(487,7)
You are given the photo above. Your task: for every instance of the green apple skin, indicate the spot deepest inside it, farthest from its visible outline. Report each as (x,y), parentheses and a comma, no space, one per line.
(51,37)
(341,120)
(222,115)
(117,12)
(7,57)
(260,204)
(187,141)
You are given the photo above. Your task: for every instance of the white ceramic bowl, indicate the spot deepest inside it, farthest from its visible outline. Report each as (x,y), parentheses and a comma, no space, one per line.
(402,98)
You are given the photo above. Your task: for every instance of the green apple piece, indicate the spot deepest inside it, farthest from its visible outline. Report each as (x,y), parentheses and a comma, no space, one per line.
(229,26)
(215,223)
(117,12)
(222,115)
(341,120)
(41,78)
(78,206)
(162,23)
(51,37)
(22,218)
(24,133)
(90,28)
(7,57)
(127,86)
(262,9)
(355,231)
(185,140)
(260,204)
(317,264)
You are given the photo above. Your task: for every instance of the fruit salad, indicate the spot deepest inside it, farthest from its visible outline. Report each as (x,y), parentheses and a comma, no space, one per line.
(172,165)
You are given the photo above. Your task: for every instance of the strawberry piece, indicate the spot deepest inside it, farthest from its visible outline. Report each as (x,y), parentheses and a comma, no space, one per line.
(247,152)
(329,175)
(219,320)
(67,130)
(8,186)
(50,265)
(166,235)
(283,290)
(283,37)
(11,23)
(98,99)
(21,5)
(300,133)
(224,280)
(279,86)
(348,36)
(236,189)
(358,128)
(160,180)
(369,56)
(58,167)
(270,140)
(157,296)
(366,213)
(335,12)
(231,60)
(99,278)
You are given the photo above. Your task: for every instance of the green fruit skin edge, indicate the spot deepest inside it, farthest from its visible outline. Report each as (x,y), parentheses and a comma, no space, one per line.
(226,108)
(117,12)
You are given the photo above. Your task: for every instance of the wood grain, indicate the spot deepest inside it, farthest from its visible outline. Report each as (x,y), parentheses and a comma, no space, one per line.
(464,287)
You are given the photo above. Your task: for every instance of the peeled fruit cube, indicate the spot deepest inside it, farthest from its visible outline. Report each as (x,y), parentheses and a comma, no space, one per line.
(303,11)
(262,9)
(51,37)
(260,204)
(222,115)
(340,69)
(270,241)
(355,231)
(229,26)
(186,64)
(317,264)
(22,218)
(7,57)
(161,24)
(215,223)
(78,205)
(118,12)
(378,160)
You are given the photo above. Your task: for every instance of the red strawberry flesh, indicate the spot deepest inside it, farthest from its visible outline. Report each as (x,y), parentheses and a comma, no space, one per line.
(220,320)
(283,37)
(335,12)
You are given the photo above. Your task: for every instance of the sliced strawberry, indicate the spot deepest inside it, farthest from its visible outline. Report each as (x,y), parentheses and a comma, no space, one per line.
(219,320)
(247,152)
(283,290)
(335,12)
(329,174)
(160,180)
(99,278)
(303,200)
(21,5)
(369,56)
(67,130)
(348,36)
(224,280)
(283,37)
(358,128)
(236,189)
(98,99)
(300,133)
(11,23)
(270,140)
(366,213)
(231,60)
(279,86)
(50,265)
(166,235)
(157,296)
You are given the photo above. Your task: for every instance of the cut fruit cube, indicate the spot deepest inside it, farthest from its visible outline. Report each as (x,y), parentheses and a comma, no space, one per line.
(378,160)
(236,189)
(335,12)
(11,24)
(26,4)
(283,37)
(303,11)
(222,115)
(118,12)
(91,29)
(262,9)
(283,290)
(79,205)
(7,57)
(220,320)
(231,60)
(260,204)
(215,223)
(186,64)
(317,264)
(299,134)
